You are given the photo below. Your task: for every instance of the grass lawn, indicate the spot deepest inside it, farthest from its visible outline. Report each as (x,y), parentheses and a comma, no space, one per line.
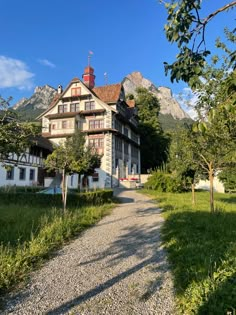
(28,235)
(202,251)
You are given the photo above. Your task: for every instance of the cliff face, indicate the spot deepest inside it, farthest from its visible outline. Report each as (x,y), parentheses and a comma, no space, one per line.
(41,98)
(168,104)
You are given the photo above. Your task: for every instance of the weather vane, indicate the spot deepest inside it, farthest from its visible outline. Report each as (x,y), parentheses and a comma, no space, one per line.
(89,57)
(105,78)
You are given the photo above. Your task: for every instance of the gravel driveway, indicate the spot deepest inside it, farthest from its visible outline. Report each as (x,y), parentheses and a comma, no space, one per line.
(117,267)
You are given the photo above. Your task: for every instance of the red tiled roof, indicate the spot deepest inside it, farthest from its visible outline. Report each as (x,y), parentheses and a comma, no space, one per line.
(54,100)
(108,93)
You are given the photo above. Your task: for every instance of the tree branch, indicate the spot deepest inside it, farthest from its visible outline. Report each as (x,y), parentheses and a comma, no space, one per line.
(213,14)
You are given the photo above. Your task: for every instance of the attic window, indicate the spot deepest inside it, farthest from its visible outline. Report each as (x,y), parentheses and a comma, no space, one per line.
(76,91)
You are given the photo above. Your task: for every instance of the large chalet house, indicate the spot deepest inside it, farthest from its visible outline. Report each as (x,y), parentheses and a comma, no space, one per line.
(108,121)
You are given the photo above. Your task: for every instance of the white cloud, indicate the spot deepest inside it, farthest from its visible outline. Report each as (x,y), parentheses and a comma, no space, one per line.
(187,100)
(46,63)
(15,73)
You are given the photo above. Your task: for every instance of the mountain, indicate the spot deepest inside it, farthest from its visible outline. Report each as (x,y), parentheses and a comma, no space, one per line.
(171,114)
(30,108)
(168,105)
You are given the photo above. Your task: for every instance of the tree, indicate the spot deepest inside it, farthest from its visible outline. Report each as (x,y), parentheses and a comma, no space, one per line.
(72,156)
(154,143)
(182,159)
(187,29)
(15,136)
(214,146)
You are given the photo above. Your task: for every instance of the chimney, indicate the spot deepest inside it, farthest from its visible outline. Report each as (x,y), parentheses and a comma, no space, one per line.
(89,77)
(59,89)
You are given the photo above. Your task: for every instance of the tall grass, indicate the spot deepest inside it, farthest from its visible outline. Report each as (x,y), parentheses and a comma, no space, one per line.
(29,234)
(202,251)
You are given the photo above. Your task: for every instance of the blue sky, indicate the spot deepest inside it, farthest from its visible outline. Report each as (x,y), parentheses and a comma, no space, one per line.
(47,41)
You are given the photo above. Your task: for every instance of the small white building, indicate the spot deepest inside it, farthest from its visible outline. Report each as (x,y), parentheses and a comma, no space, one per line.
(28,168)
(108,121)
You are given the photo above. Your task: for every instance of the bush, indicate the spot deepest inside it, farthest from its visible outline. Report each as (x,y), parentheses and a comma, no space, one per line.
(164,182)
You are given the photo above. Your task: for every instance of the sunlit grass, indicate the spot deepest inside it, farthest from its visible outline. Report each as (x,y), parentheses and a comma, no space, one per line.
(202,250)
(29,234)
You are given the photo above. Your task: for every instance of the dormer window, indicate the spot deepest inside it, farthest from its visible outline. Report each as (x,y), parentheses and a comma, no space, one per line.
(76,91)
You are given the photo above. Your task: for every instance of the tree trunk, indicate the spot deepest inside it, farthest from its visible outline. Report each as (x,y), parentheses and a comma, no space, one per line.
(63,190)
(193,194)
(211,180)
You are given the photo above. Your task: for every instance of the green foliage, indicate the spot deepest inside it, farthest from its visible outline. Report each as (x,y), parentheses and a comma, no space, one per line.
(154,143)
(15,137)
(169,123)
(97,197)
(187,28)
(164,182)
(228,177)
(73,156)
(202,251)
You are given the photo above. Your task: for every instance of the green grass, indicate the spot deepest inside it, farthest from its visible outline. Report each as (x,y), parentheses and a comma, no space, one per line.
(202,251)
(29,235)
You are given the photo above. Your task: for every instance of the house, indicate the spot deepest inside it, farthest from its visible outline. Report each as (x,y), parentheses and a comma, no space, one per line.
(27,169)
(108,121)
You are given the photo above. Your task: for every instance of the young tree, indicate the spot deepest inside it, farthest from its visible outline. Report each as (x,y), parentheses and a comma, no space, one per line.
(72,156)
(214,145)
(154,143)
(15,136)
(187,29)
(182,159)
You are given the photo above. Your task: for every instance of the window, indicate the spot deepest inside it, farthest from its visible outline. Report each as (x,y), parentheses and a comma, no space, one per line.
(53,126)
(134,152)
(22,172)
(96,124)
(62,108)
(90,105)
(64,124)
(74,107)
(10,173)
(118,125)
(126,148)
(134,137)
(118,144)
(126,131)
(96,142)
(32,174)
(95,177)
(76,91)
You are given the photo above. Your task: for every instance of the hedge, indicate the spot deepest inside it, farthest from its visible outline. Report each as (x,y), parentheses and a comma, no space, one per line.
(98,197)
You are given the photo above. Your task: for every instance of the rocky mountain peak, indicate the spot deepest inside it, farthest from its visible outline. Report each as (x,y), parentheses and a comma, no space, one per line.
(39,100)
(168,104)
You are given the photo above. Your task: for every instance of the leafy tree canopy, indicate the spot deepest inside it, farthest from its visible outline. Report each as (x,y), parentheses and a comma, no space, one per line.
(154,143)
(187,28)
(73,156)
(15,136)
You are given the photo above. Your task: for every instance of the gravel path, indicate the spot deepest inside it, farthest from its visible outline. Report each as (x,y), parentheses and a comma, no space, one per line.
(117,267)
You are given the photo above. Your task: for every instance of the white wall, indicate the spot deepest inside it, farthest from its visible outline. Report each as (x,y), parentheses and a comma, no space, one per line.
(205,185)
(16,181)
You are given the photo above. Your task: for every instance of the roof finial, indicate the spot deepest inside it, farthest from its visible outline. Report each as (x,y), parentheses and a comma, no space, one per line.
(105,78)
(89,57)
